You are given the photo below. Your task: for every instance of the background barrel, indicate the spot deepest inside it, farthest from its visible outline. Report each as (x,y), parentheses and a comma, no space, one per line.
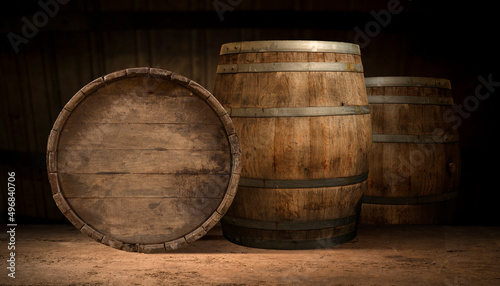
(301,113)
(415,157)
(143,160)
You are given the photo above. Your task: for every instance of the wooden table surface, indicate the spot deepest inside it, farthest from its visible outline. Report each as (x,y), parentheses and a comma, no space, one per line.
(380,255)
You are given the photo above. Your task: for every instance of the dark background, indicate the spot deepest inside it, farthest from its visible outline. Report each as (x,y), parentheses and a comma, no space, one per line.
(456,40)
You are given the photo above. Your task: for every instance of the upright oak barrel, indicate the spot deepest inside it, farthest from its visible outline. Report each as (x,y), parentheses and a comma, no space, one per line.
(301,113)
(143,160)
(415,158)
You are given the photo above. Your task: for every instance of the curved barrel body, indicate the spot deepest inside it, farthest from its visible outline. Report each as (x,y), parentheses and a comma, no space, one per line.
(415,158)
(301,113)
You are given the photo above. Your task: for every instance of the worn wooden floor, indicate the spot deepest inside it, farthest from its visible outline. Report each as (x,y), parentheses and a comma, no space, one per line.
(388,255)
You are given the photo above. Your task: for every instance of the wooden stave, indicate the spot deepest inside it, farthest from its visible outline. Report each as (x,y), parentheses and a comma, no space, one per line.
(289,46)
(64,206)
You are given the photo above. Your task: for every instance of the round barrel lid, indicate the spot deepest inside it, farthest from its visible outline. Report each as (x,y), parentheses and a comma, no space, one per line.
(143,160)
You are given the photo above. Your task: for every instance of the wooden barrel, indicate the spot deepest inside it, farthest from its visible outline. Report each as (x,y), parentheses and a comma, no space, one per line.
(415,158)
(301,113)
(143,160)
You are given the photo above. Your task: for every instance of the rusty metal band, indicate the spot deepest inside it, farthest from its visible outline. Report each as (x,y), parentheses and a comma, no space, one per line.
(289,46)
(298,225)
(417,139)
(290,67)
(410,200)
(407,81)
(298,111)
(403,99)
(287,244)
(300,184)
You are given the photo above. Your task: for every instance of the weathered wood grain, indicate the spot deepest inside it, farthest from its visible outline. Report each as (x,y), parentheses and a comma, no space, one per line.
(171,136)
(144,220)
(145,185)
(143,100)
(143,160)
(297,205)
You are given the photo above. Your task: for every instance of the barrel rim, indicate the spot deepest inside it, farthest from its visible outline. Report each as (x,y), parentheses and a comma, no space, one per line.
(290,46)
(88,89)
(386,81)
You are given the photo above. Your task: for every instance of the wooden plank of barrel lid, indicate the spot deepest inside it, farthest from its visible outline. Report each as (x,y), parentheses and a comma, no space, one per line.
(143,160)
(301,113)
(415,158)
